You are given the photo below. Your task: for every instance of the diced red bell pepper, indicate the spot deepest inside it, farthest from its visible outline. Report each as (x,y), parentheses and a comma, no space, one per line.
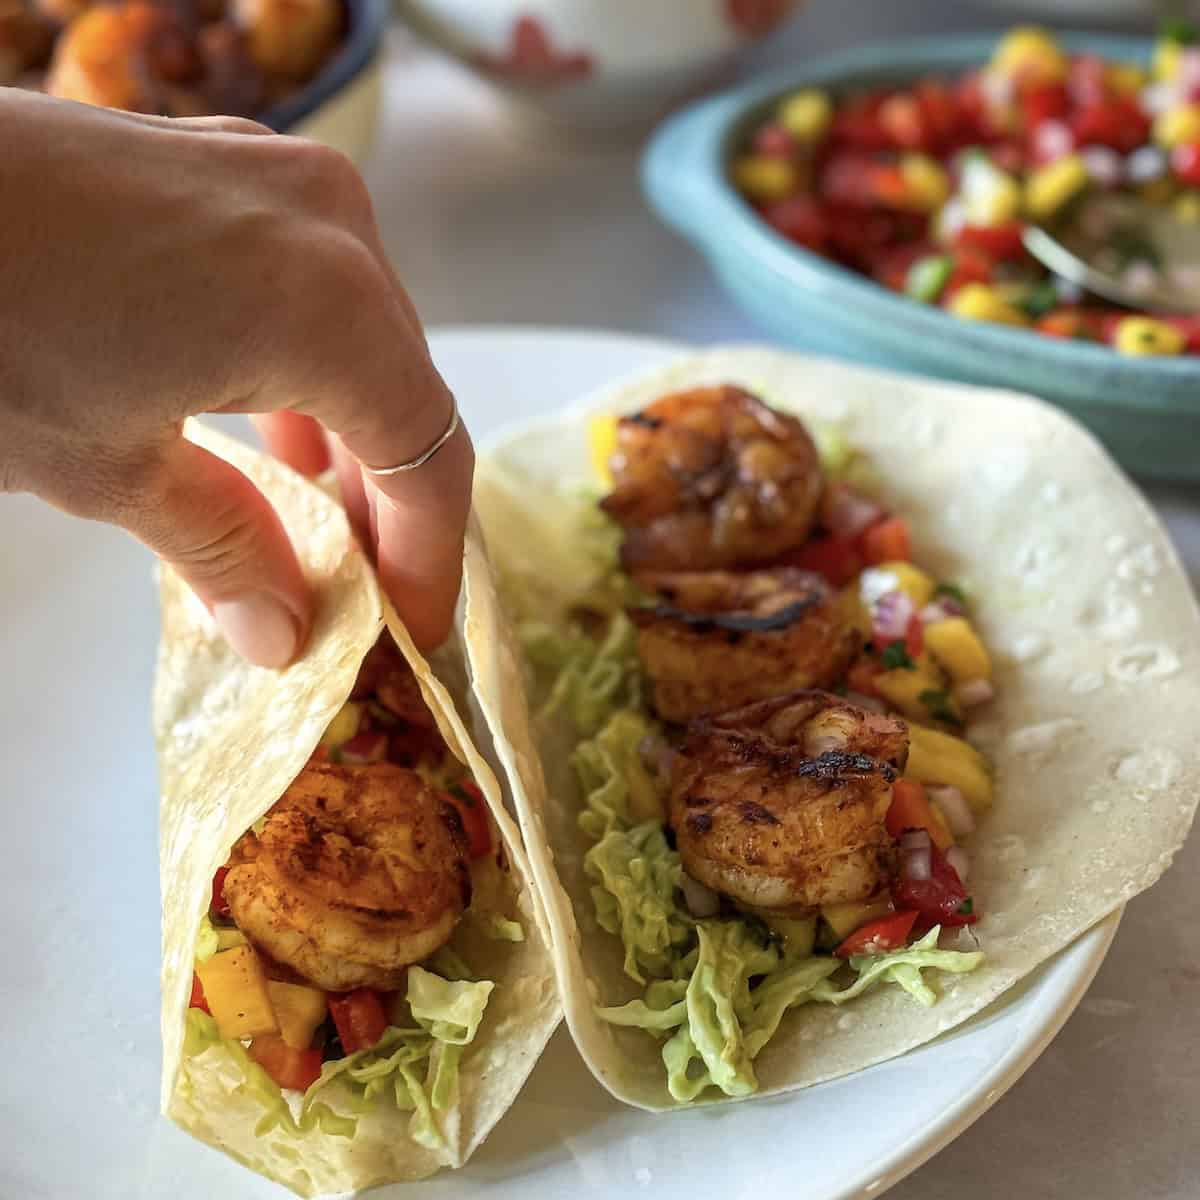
(359,1017)
(198,1000)
(1189,326)
(1067,323)
(878,937)
(914,636)
(940,113)
(837,559)
(1009,156)
(287,1066)
(910,809)
(774,141)
(800,219)
(1087,80)
(1119,123)
(856,123)
(975,125)
(472,809)
(1185,163)
(1044,102)
(902,118)
(1000,242)
(861,676)
(939,900)
(971,265)
(886,541)
(220,905)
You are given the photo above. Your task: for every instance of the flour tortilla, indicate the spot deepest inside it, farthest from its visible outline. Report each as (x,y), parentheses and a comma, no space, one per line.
(230,738)
(1096,638)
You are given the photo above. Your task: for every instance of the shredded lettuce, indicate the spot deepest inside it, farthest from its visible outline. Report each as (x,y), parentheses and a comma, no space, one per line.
(637,874)
(417,1067)
(619,788)
(497,927)
(207,942)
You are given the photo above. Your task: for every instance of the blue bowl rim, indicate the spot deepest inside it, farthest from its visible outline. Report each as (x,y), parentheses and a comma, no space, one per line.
(367,21)
(712,124)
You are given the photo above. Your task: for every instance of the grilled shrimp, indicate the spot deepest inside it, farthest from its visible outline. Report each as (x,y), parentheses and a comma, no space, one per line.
(720,640)
(780,805)
(357,872)
(711,477)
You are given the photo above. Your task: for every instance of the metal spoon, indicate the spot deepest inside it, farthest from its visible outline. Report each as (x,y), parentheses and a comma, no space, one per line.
(1129,251)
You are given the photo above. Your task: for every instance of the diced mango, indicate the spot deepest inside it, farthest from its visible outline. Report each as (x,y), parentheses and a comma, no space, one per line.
(799,934)
(299,1010)
(1031,53)
(853,611)
(235,987)
(903,688)
(1126,79)
(959,649)
(602,441)
(228,938)
(936,757)
(1177,126)
(1051,188)
(978,302)
(928,185)
(806,114)
(344,725)
(844,919)
(1167,56)
(1145,336)
(911,580)
(764,177)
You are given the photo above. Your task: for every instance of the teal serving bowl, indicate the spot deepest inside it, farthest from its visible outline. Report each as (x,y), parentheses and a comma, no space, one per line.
(1147,410)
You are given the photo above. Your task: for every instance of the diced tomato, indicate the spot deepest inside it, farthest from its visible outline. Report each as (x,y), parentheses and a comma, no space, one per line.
(914,636)
(856,123)
(971,103)
(287,1066)
(971,265)
(1087,80)
(1009,156)
(1003,242)
(861,676)
(800,219)
(901,116)
(774,141)
(910,809)
(878,937)
(939,900)
(939,111)
(837,559)
(472,808)
(1189,326)
(886,541)
(847,179)
(1119,123)
(1185,163)
(198,1000)
(220,905)
(359,1017)
(1067,323)
(1044,102)
(1107,321)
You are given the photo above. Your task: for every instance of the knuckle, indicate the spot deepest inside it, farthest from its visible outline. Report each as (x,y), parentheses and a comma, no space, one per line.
(242,125)
(329,180)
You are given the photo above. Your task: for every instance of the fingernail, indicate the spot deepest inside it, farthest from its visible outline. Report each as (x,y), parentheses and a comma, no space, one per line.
(259,628)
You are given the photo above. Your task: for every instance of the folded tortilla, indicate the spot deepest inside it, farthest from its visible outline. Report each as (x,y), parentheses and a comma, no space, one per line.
(231,737)
(1076,590)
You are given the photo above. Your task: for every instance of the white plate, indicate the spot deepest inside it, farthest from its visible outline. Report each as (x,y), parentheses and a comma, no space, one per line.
(79,976)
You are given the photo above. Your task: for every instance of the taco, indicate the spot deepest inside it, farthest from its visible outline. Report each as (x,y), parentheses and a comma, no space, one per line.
(854,698)
(356,979)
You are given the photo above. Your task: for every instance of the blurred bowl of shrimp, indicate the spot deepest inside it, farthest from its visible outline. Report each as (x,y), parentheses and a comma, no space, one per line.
(597,66)
(308,67)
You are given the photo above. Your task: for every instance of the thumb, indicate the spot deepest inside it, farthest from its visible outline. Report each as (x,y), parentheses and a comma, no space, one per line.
(209,522)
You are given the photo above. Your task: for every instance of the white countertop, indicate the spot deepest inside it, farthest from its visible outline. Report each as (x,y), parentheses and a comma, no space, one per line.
(488,225)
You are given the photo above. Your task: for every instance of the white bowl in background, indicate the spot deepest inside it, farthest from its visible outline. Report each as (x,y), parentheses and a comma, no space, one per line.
(597,65)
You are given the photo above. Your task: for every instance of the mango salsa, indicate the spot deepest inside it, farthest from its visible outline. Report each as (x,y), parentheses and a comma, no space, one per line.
(299,1010)
(235,987)
(602,441)
(936,757)
(903,687)
(844,919)
(958,649)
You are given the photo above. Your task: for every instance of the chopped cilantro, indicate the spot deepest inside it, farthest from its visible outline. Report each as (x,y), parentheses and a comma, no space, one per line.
(895,655)
(967,907)
(952,592)
(940,706)
(1178,30)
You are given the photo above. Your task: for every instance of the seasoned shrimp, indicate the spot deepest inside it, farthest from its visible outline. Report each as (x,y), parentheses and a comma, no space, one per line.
(720,640)
(711,477)
(780,805)
(357,872)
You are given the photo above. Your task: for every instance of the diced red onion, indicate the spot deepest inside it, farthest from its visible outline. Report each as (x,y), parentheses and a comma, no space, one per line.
(657,754)
(954,807)
(893,612)
(1051,140)
(1184,277)
(1145,164)
(1067,290)
(941,609)
(364,748)
(974,693)
(701,901)
(916,855)
(1187,76)
(1158,97)
(999,89)
(1103,164)
(956,856)
(870,703)
(848,514)
(1140,278)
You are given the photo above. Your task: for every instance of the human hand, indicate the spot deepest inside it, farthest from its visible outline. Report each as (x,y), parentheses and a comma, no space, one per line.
(157,269)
